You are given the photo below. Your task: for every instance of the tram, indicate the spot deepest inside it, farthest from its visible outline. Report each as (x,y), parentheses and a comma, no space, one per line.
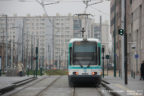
(84,61)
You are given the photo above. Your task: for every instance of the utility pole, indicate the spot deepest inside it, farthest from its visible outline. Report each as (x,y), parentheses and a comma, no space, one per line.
(6,60)
(27,65)
(101,28)
(11,46)
(2,57)
(23,40)
(122,37)
(114,35)
(31,53)
(124,42)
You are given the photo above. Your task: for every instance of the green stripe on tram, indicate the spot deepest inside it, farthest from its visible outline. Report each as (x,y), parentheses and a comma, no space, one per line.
(98,67)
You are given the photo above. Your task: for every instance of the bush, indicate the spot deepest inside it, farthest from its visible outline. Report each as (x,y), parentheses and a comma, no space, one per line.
(56,72)
(49,72)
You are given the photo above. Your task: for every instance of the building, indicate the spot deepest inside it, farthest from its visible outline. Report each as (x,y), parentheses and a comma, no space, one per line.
(135,34)
(50,34)
(134,25)
(24,35)
(115,25)
(106,38)
(65,28)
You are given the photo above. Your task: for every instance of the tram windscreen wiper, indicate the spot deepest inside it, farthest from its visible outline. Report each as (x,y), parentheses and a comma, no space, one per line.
(80,63)
(89,65)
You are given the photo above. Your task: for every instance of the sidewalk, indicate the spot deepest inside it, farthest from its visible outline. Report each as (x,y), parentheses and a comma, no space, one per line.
(7,83)
(135,87)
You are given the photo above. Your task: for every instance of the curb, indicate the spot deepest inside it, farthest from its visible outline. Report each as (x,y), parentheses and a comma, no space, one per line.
(22,82)
(7,89)
(16,84)
(106,85)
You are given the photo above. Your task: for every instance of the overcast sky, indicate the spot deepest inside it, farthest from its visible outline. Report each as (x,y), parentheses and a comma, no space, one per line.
(24,7)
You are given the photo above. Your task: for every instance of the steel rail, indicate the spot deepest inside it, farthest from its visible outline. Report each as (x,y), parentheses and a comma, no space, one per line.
(19,90)
(42,91)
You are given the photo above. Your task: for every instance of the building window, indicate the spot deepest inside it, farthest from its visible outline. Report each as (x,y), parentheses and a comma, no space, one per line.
(77,24)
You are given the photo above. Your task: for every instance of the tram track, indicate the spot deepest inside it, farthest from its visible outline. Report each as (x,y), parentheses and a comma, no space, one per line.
(42,91)
(73,92)
(57,86)
(19,90)
(97,91)
(78,92)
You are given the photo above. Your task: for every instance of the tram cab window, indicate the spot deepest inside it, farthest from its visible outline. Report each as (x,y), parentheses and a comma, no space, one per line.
(85,53)
(99,55)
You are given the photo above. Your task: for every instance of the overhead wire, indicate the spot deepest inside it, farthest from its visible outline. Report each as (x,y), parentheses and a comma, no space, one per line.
(99,10)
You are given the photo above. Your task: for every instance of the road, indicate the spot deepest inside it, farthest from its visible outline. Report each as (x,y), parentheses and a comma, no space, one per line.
(56,86)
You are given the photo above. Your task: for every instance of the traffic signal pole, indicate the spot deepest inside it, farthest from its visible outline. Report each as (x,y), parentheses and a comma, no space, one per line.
(124,42)
(122,38)
(114,36)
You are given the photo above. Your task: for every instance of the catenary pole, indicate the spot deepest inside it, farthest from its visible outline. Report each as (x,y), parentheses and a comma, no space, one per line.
(6,56)
(114,35)
(125,44)
(122,37)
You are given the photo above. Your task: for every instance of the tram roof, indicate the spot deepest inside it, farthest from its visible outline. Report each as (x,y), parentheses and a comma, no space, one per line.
(81,39)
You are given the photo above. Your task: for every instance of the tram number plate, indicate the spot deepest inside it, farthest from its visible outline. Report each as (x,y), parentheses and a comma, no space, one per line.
(84,73)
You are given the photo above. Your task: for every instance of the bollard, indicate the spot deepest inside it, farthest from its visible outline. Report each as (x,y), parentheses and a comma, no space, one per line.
(41,71)
(0,72)
(119,73)
(27,71)
(34,73)
(134,75)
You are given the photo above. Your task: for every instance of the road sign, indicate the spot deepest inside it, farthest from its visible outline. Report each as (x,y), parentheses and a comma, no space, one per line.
(136,56)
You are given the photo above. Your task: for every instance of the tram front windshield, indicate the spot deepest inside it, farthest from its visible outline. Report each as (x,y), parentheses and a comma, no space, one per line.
(84,53)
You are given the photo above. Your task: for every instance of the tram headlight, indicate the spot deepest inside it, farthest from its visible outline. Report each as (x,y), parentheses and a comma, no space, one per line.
(101,73)
(94,73)
(75,73)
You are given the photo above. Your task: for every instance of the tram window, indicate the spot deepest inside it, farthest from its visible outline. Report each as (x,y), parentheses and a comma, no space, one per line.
(98,55)
(71,55)
(85,53)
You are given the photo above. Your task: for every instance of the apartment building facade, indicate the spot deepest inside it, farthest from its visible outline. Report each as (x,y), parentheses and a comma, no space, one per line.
(24,35)
(134,25)
(50,34)
(136,34)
